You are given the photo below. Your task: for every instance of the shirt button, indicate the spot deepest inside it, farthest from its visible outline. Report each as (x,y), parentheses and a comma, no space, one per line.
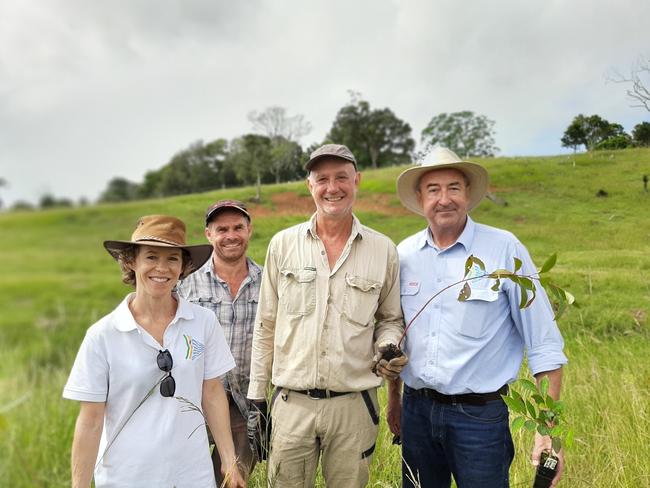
(439,280)
(322,353)
(436,306)
(322,253)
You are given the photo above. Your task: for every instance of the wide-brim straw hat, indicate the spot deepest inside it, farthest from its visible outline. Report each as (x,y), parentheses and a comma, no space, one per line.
(162,231)
(441,158)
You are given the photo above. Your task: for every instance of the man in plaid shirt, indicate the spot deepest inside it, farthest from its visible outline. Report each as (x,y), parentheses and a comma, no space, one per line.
(229,285)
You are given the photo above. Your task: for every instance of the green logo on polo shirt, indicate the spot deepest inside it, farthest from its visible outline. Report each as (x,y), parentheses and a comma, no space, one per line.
(194,348)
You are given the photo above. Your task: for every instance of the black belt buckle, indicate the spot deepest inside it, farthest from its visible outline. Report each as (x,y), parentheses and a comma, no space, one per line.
(317,394)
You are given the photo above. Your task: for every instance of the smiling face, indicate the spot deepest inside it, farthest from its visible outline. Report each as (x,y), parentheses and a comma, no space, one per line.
(157,269)
(229,232)
(444,197)
(333,184)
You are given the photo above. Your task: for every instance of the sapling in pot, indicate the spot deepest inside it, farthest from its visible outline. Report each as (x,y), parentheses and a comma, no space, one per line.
(536,411)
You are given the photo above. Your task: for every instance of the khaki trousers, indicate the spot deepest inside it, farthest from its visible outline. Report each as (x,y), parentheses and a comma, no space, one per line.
(340,430)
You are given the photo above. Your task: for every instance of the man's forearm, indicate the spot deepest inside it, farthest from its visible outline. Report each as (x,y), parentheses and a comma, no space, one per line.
(261,359)
(395,389)
(554,381)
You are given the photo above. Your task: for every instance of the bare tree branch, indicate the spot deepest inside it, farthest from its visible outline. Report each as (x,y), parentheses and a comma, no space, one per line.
(638,82)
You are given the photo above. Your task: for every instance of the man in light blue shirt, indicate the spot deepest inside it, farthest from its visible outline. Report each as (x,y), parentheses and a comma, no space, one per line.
(451,418)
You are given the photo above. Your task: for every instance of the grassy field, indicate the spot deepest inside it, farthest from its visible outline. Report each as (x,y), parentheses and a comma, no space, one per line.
(57,280)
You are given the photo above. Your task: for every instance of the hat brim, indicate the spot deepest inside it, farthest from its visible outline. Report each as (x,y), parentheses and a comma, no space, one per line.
(407,183)
(199,253)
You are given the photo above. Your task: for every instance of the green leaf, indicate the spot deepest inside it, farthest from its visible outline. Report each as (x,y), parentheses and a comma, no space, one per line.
(548,265)
(538,398)
(524,297)
(468,265)
(557,431)
(543,430)
(518,423)
(558,406)
(480,263)
(465,293)
(515,404)
(500,273)
(530,425)
(570,299)
(526,283)
(531,409)
(532,298)
(495,287)
(517,264)
(528,385)
(556,443)
(543,386)
(515,394)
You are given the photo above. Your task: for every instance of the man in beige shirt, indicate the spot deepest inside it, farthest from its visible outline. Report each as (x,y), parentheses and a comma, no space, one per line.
(329,300)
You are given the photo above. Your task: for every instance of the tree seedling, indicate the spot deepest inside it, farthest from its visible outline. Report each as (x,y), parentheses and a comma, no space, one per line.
(536,410)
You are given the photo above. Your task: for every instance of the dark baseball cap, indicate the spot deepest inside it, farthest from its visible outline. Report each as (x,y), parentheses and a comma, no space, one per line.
(331,151)
(217,207)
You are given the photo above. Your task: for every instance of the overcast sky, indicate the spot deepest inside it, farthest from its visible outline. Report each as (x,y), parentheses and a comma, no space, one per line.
(91,90)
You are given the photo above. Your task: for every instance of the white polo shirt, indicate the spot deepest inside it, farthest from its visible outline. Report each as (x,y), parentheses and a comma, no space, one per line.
(162,444)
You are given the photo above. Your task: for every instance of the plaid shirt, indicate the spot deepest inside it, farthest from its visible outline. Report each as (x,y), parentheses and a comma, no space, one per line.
(236,317)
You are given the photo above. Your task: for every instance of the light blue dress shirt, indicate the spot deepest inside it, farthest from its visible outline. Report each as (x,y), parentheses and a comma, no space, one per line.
(475,346)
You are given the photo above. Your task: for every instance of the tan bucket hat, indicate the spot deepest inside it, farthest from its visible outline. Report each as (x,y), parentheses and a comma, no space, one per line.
(441,158)
(162,231)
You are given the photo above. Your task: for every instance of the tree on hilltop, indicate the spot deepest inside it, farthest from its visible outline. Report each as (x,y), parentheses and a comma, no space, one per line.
(284,133)
(641,134)
(119,190)
(377,137)
(590,132)
(465,133)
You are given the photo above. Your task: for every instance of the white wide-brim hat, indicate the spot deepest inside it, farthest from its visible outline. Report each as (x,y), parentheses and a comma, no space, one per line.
(441,158)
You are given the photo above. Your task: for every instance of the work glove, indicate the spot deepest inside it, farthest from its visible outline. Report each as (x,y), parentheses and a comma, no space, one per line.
(258,429)
(389,361)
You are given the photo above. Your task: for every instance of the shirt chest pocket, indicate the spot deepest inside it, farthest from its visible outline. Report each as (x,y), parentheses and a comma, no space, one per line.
(297,293)
(478,310)
(361,299)
(410,297)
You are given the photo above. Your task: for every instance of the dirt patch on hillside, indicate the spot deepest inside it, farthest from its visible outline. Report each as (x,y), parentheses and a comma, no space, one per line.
(292,203)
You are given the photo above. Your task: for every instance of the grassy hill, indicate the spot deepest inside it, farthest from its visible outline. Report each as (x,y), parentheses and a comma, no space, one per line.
(57,280)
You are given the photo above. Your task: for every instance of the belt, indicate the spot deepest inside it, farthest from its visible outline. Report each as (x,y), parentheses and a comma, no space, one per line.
(317,394)
(467,398)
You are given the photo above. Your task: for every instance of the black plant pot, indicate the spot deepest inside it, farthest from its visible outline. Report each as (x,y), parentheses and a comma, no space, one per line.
(546,470)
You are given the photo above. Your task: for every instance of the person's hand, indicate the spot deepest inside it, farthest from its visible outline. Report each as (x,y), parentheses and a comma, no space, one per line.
(394,414)
(232,476)
(388,369)
(543,443)
(258,429)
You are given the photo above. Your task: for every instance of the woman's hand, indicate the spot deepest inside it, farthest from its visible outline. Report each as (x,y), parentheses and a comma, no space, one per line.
(232,476)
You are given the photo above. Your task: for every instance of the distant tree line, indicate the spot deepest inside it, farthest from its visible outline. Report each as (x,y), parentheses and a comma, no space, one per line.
(272,153)
(595,134)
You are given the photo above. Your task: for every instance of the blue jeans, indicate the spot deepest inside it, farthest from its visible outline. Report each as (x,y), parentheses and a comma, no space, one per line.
(470,442)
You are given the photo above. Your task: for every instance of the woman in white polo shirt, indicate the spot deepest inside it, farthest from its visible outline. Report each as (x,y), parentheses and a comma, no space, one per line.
(144,373)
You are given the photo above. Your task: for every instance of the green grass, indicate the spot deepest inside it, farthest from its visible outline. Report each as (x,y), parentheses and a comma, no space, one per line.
(57,280)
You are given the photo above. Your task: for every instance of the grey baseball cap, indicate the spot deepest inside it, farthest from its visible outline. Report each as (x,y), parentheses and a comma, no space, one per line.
(331,151)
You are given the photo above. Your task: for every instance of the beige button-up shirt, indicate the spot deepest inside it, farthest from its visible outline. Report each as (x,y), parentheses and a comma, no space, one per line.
(319,328)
